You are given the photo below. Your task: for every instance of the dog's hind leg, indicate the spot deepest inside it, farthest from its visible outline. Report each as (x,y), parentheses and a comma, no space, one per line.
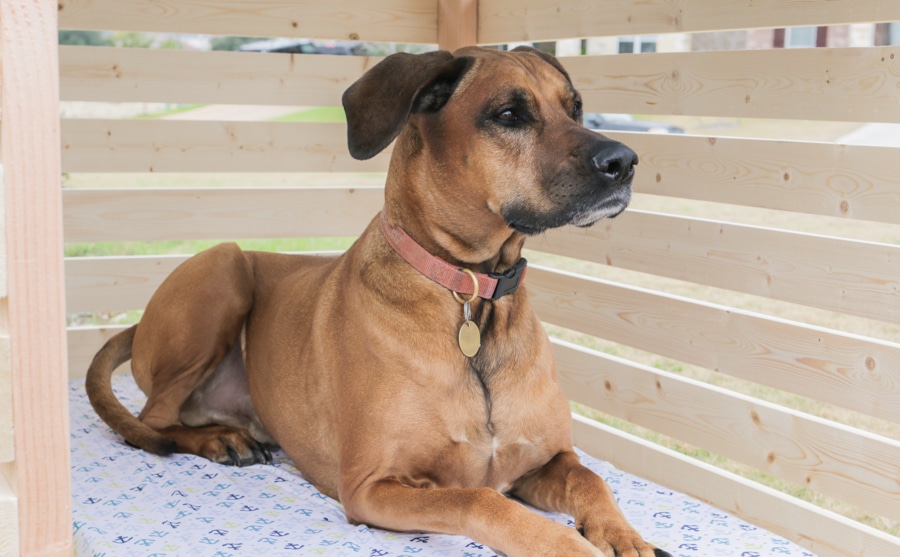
(187,358)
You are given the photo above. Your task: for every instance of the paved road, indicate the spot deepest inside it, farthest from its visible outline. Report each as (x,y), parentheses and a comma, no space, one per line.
(887,135)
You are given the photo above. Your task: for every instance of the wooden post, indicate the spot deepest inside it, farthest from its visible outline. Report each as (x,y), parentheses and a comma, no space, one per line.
(457,23)
(33,302)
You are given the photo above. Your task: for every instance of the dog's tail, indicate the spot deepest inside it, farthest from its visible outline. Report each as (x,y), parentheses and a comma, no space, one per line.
(98,385)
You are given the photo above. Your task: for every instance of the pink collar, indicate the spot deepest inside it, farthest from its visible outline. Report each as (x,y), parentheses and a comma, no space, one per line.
(491,286)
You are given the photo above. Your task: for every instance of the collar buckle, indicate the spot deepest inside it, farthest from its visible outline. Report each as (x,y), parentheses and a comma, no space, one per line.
(509,280)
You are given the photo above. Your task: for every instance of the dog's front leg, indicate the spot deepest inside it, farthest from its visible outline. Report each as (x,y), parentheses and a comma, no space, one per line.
(482,514)
(565,485)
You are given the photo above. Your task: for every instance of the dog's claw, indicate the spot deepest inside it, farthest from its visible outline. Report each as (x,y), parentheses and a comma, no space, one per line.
(234,457)
(259,456)
(657,552)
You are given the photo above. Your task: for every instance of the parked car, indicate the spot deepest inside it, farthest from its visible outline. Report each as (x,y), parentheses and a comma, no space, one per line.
(626,122)
(305,46)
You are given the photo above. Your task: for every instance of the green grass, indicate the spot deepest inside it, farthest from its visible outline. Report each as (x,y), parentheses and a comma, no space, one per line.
(100,249)
(317,114)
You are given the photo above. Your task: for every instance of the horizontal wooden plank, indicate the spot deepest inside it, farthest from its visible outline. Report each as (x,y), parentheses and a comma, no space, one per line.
(117,284)
(850,181)
(823,532)
(202,146)
(501,21)
(852,465)
(403,21)
(836,84)
(109,215)
(819,363)
(106,74)
(84,342)
(849,276)
(99,284)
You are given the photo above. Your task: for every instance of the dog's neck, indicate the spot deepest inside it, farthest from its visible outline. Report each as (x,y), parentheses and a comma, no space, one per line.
(490,285)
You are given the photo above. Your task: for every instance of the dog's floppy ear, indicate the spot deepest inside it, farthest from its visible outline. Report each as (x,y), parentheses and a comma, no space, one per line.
(379,103)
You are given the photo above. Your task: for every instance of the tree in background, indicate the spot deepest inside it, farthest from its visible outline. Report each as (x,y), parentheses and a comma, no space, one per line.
(125,39)
(84,38)
(231,43)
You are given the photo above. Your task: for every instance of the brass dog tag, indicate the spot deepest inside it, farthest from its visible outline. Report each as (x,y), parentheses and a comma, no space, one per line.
(469,335)
(469,339)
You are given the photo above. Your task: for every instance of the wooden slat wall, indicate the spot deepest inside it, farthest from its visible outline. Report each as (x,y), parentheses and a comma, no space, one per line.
(849,276)
(821,531)
(834,180)
(819,363)
(840,84)
(107,74)
(84,343)
(205,146)
(501,21)
(856,466)
(190,214)
(835,274)
(402,21)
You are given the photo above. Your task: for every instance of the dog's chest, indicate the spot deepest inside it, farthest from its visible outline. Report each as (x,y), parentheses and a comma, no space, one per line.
(495,447)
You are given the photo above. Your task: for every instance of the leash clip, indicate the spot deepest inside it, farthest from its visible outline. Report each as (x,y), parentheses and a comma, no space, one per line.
(509,281)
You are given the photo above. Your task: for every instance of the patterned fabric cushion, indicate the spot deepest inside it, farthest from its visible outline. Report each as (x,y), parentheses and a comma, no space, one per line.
(127,502)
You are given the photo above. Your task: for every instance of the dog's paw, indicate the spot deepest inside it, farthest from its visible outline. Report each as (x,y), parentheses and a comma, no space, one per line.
(221,444)
(236,448)
(616,541)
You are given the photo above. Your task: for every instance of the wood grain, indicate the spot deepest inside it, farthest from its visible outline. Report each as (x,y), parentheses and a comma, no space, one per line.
(837,84)
(843,462)
(818,363)
(107,74)
(457,23)
(204,146)
(84,342)
(403,21)
(823,532)
(34,310)
(849,181)
(188,214)
(101,284)
(848,276)
(501,21)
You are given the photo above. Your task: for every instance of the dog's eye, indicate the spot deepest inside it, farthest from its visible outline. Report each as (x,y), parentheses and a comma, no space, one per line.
(578,108)
(507,116)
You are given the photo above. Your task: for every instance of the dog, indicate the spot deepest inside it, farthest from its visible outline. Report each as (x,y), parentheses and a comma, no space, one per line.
(408,377)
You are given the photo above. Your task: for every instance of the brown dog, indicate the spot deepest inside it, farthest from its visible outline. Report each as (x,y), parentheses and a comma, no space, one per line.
(357,365)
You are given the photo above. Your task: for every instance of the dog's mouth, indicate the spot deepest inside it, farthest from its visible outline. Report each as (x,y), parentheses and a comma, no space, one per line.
(583,214)
(609,209)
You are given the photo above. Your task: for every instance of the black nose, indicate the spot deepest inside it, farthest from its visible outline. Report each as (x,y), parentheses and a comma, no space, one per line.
(615,161)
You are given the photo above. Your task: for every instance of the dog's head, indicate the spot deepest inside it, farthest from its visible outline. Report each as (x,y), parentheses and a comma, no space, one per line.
(498,133)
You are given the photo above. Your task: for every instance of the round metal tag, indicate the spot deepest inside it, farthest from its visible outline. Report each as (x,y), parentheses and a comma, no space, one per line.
(469,339)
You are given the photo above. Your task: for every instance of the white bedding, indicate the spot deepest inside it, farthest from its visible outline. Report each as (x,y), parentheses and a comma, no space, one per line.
(129,502)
